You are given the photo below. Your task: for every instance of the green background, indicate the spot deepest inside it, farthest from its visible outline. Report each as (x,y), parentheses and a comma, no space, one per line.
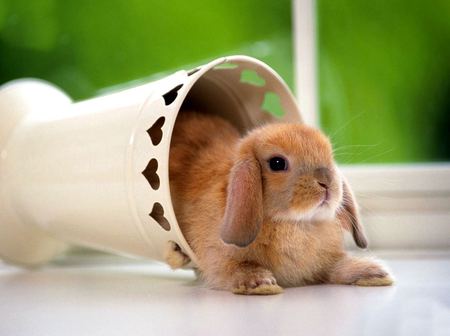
(83,46)
(385,79)
(384,66)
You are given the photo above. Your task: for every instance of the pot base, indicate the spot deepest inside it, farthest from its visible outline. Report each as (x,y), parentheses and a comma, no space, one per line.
(21,242)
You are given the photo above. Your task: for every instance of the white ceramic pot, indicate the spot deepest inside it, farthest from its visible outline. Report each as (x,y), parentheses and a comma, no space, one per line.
(95,173)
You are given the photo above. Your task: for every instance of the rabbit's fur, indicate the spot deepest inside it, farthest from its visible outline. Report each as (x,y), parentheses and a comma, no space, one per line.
(254,229)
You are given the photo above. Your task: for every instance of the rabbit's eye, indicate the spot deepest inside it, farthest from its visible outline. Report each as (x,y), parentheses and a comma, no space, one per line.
(278,163)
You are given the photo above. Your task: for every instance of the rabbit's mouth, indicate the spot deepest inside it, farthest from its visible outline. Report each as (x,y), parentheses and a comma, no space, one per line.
(325,199)
(323,210)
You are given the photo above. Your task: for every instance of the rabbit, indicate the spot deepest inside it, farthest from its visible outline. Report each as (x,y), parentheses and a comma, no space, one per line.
(263,211)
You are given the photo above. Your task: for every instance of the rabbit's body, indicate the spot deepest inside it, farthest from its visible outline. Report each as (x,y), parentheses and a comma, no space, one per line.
(287,251)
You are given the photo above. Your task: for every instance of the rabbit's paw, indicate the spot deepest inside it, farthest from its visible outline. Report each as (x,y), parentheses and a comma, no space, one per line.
(174,256)
(360,272)
(255,281)
(385,280)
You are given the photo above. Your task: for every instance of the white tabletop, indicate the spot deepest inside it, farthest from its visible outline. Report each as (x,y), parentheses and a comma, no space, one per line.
(105,295)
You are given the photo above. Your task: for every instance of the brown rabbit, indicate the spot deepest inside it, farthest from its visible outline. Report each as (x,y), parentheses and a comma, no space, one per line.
(263,211)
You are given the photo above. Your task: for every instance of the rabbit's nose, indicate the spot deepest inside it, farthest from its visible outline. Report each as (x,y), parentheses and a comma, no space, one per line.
(323,185)
(323,177)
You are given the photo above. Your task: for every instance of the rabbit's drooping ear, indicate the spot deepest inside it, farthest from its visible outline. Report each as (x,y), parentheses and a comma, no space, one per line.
(244,209)
(349,217)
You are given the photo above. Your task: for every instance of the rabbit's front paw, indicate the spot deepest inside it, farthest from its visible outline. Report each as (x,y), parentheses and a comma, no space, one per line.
(174,256)
(255,281)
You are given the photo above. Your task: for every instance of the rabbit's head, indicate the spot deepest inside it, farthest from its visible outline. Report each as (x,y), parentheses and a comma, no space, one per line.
(286,172)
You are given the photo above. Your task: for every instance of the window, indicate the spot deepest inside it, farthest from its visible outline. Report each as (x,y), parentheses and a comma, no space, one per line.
(377,77)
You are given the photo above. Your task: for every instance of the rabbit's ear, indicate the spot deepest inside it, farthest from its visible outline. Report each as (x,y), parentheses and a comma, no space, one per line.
(244,209)
(349,217)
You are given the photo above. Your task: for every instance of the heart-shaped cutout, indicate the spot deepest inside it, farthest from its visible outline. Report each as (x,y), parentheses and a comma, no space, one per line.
(193,71)
(170,96)
(252,77)
(226,66)
(158,215)
(150,174)
(272,105)
(155,132)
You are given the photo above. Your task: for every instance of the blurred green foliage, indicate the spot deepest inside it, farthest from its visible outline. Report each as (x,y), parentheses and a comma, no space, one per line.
(385,79)
(384,65)
(83,46)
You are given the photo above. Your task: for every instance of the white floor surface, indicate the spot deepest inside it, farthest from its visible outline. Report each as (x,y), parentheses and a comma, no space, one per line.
(103,295)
